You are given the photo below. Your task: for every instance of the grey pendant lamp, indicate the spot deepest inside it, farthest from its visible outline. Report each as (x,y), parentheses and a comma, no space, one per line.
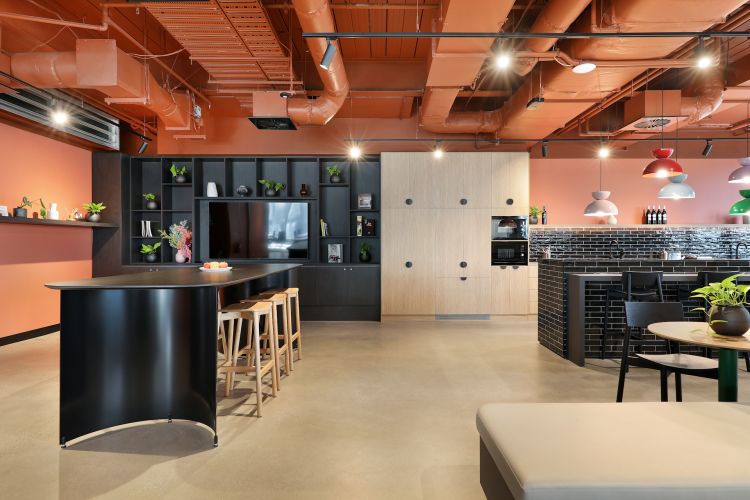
(742,174)
(601,206)
(677,189)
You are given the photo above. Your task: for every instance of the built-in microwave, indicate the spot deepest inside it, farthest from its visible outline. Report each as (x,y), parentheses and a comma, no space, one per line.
(509,227)
(514,253)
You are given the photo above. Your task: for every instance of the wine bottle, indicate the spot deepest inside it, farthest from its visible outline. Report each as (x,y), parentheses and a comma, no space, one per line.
(661,215)
(657,215)
(544,215)
(664,215)
(649,215)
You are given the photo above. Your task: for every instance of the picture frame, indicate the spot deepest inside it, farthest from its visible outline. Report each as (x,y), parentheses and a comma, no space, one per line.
(335,253)
(364,201)
(3,211)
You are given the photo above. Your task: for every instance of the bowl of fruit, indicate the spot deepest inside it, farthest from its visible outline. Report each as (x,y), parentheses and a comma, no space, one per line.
(215,267)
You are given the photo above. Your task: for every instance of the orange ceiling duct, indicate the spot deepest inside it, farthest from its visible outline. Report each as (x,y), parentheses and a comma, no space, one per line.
(100,65)
(316,16)
(455,64)
(709,94)
(571,92)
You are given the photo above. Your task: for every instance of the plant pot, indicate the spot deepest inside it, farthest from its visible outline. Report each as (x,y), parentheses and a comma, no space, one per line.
(533,219)
(731,321)
(180,179)
(152,205)
(151,257)
(271,192)
(94,217)
(335,179)
(365,257)
(20,212)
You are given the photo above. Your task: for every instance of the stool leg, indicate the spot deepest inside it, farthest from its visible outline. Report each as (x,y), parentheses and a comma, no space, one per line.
(288,362)
(605,328)
(678,386)
(258,381)
(299,329)
(230,360)
(273,341)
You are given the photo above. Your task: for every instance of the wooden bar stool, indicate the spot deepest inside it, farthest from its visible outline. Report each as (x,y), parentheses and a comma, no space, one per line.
(254,313)
(293,319)
(226,338)
(279,300)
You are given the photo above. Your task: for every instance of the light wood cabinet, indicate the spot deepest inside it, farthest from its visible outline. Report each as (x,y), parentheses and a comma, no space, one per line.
(464,180)
(510,290)
(533,288)
(510,182)
(408,180)
(408,262)
(464,295)
(463,245)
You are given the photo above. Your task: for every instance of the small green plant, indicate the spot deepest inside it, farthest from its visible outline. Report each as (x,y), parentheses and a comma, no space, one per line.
(534,212)
(149,197)
(725,293)
(364,249)
(25,203)
(276,186)
(42,209)
(177,171)
(150,249)
(333,170)
(94,208)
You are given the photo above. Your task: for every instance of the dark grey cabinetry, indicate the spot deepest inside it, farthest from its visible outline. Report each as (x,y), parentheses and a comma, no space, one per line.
(349,293)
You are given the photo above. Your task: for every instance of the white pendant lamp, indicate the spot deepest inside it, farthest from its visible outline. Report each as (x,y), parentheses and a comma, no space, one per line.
(677,189)
(742,174)
(601,206)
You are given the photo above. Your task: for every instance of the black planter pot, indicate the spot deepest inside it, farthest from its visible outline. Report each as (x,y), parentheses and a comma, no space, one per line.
(271,192)
(335,179)
(731,321)
(180,179)
(20,212)
(151,257)
(152,205)
(365,257)
(94,217)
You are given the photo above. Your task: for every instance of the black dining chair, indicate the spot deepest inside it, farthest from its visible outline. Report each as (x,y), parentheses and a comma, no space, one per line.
(638,315)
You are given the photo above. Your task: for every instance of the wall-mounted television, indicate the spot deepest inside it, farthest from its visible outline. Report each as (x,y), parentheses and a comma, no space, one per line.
(258,230)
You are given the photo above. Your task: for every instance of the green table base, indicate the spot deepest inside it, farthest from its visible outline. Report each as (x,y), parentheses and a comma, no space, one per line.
(727,375)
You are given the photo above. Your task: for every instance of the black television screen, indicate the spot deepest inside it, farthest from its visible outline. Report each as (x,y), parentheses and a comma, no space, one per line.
(258,230)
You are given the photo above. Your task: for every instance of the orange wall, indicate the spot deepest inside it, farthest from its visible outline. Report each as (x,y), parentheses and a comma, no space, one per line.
(30,256)
(564,186)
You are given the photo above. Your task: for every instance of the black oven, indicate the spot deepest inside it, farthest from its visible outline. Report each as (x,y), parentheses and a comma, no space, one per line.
(509,227)
(514,253)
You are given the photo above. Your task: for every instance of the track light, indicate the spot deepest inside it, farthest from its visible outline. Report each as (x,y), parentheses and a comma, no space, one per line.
(545,149)
(707,149)
(143,147)
(503,60)
(703,58)
(603,152)
(60,117)
(534,103)
(437,152)
(584,67)
(325,63)
(355,152)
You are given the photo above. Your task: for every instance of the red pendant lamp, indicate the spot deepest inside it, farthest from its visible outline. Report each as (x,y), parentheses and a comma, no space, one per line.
(663,166)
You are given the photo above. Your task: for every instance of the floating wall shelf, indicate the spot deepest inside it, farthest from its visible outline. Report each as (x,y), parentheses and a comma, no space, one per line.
(51,222)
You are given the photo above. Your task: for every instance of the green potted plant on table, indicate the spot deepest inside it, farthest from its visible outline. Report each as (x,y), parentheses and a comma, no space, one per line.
(364,253)
(22,209)
(94,211)
(534,215)
(179,174)
(335,174)
(727,314)
(272,187)
(151,203)
(150,251)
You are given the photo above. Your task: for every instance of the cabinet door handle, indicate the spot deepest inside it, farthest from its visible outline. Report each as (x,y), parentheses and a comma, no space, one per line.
(409,201)
(509,201)
(408,263)
(463,201)
(463,278)
(503,267)
(515,267)
(463,264)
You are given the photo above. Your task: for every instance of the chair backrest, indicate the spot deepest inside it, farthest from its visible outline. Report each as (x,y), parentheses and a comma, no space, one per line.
(706,277)
(642,314)
(642,280)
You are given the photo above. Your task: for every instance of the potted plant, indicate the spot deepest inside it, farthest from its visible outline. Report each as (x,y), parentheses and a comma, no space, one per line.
(335,172)
(534,215)
(94,211)
(21,210)
(727,315)
(364,252)
(178,174)
(272,187)
(150,251)
(180,237)
(151,203)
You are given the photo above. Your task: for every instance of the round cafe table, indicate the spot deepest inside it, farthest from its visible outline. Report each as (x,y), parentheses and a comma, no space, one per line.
(695,333)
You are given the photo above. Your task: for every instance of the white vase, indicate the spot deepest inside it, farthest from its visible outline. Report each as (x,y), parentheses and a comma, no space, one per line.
(53,213)
(180,258)
(211,190)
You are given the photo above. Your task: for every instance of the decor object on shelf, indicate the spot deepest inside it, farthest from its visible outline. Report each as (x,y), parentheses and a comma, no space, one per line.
(677,189)
(150,251)
(303,191)
(242,190)
(742,174)
(601,206)
(369,227)
(179,174)
(93,211)
(742,207)
(22,209)
(75,215)
(53,214)
(211,190)
(146,229)
(360,223)
(151,203)
(335,174)
(364,252)
(663,166)
(727,315)
(544,215)
(3,211)
(324,228)
(364,201)
(180,237)
(272,187)
(335,253)
(534,215)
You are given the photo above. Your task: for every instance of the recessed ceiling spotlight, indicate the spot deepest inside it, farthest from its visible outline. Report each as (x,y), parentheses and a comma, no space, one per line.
(503,60)
(355,152)
(437,152)
(60,117)
(584,67)
(603,152)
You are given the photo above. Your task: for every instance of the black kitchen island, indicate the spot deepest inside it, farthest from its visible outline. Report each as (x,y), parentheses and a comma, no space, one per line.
(142,346)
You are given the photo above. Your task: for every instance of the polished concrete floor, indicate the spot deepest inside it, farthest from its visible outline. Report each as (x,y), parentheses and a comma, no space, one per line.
(373,411)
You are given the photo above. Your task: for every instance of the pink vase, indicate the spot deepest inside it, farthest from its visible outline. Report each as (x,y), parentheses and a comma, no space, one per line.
(180,257)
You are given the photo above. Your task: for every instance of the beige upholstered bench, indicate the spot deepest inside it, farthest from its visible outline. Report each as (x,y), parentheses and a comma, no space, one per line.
(602,451)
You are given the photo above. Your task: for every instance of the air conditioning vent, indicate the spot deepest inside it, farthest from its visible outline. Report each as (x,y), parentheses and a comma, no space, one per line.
(652,123)
(272,122)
